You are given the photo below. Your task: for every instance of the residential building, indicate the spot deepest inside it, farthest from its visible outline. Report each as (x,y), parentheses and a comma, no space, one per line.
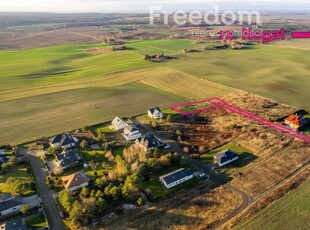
(68,158)
(1,151)
(225,157)
(10,205)
(75,181)
(149,143)
(14,225)
(176,177)
(295,121)
(131,133)
(118,123)
(155,113)
(65,141)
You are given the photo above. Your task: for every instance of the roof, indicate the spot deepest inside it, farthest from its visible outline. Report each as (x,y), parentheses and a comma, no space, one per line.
(75,179)
(155,110)
(68,157)
(224,156)
(117,121)
(15,225)
(63,139)
(149,142)
(176,175)
(10,203)
(131,128)
(295,120)
(1,151)
(5,196)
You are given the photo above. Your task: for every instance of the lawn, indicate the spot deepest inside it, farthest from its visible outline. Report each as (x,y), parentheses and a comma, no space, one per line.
(209,157)
(97,158)
(158,189)
(102,128)
(19,172)
(36,222)
(289,212)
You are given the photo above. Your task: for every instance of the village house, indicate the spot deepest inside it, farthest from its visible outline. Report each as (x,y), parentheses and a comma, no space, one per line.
(131,133)
(118,123)
(225,157)
(75,181)
(15,225)
(176,177)
(295,121)
(155,113)
(10,205)
(65,141)
(68,158)
(149,143)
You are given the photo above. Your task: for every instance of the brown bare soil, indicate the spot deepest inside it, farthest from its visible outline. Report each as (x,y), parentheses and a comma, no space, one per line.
(267,199)
(262,177)
(194,208)
(41,38)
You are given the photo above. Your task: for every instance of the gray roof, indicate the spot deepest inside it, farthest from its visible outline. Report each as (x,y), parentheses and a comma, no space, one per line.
(10,203)
(63,139)
(224,156)
(149,142)
(176,175)
(68,157)
(155,110)
(15,225)
(5,196)
(131,128)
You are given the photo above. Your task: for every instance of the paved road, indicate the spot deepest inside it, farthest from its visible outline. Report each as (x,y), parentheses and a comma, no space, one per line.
(174,147)
(54,220)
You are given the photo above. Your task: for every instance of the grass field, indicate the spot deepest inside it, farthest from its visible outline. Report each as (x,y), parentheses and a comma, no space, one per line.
(19,172)
(45,91)
(209,157)
(290,212)
(36,222)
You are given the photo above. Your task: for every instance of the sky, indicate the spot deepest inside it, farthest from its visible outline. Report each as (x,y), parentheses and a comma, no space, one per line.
(103,6)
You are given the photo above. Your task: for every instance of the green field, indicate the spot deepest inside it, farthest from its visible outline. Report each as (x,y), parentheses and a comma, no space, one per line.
(45,91)
(289,212)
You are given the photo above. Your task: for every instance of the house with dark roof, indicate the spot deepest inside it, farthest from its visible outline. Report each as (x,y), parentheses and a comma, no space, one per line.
(295,121)
(68,158)
(155,113)
(118,123)
(15,225)
(65,141)
(149,143)
(176,177)
(75,181)
(10,205)
(131,133)
(225,157)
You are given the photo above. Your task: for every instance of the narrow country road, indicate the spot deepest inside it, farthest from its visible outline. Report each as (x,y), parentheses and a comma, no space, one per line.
(54,220)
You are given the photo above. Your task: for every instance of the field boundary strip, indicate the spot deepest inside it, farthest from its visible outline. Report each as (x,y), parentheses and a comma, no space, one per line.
(220,103)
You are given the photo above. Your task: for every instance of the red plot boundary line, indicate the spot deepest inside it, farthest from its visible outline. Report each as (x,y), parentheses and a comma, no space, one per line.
(219,103)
